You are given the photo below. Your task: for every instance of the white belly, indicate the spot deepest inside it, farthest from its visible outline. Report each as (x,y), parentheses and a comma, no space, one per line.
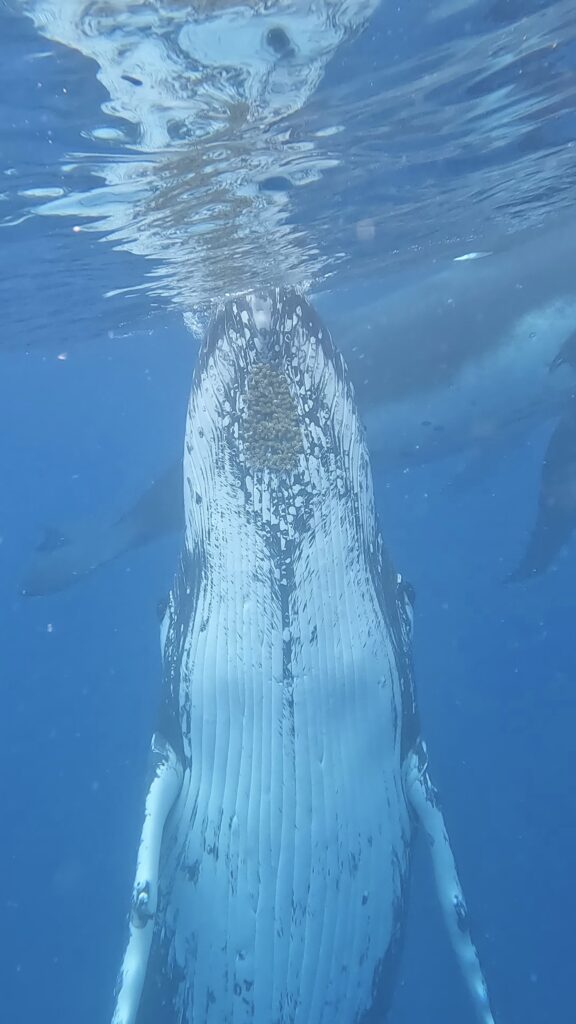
(291,835)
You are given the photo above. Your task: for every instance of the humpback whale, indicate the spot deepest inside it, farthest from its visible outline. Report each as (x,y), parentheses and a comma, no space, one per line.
(289,774)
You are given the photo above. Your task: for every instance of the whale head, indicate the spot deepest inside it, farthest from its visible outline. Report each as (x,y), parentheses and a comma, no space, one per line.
(273,438)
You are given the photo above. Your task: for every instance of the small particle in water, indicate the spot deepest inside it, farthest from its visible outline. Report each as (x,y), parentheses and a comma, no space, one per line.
(76,229)
(62,356)
(471,256)
(50,628)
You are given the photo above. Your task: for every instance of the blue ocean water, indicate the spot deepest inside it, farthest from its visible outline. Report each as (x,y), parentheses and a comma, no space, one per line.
(455,133)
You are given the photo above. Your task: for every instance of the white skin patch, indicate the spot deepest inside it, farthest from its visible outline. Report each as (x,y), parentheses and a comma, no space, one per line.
(261,311)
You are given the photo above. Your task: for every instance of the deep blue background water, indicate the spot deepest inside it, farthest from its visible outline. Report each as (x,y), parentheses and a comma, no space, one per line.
(496,664)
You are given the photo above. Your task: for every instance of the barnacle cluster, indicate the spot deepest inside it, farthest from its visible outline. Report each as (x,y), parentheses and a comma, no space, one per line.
(271,432)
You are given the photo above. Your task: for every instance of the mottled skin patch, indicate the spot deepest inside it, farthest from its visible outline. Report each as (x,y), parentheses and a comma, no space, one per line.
(270,428)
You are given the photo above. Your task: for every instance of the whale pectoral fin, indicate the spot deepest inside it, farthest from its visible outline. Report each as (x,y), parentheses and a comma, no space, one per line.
(424,803)
(59,561)
(159,510)
(163,791)
(556,519)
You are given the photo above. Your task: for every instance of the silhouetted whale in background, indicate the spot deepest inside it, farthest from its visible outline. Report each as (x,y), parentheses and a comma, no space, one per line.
(289,770)
(448,361)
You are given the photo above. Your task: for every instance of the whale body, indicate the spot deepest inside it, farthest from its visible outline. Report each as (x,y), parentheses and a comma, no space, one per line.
(289,770)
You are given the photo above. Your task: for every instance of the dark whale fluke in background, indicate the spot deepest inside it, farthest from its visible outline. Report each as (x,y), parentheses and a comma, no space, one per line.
(289,772)
(556,517)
